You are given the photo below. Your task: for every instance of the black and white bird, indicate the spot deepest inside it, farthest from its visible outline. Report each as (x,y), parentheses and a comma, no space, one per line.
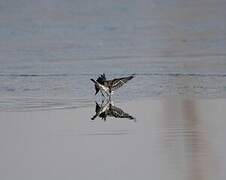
(108,109)
(109,86)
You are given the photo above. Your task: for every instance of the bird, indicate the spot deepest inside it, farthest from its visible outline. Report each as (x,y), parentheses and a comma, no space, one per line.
(108,109)
(109,86)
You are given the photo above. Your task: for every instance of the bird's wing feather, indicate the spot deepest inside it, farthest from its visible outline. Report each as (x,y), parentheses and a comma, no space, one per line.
(117,83)
(119,113)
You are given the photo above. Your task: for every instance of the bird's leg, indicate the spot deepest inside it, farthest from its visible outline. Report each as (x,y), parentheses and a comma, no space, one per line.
(102,102)
(110,94)
(110,98)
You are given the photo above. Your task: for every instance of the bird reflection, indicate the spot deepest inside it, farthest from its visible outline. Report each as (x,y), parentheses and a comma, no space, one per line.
(106,108)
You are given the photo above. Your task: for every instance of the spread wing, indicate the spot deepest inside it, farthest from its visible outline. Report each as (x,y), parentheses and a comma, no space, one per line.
(118,113)
(117,83)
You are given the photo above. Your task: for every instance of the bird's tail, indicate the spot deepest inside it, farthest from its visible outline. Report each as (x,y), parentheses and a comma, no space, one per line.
(127,78)
(93,81)
(94,117)
(132,76)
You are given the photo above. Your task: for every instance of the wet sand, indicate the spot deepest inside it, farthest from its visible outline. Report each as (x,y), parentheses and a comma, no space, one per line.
(170,139)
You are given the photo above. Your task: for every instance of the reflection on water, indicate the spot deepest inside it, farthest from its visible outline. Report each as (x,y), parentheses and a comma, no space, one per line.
(186,139)
(106,108)
(197,141)
(174,139)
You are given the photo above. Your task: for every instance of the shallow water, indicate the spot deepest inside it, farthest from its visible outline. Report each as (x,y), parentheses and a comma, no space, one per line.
(171,139)
(50,50)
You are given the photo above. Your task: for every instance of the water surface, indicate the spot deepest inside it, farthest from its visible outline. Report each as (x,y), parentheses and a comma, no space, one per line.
(50,49)
(172,139)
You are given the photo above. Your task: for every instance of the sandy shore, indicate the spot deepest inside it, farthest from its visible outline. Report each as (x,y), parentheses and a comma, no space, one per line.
(183,138)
